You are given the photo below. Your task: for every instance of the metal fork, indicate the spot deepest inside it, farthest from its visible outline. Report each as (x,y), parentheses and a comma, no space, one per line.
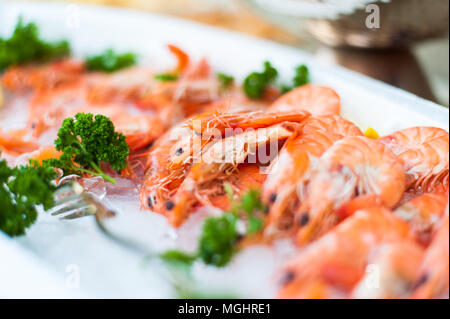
(72,202)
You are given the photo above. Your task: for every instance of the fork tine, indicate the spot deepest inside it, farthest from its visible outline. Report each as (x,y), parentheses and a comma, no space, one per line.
(69,187)
(81,212)
(64,208)
(66,199)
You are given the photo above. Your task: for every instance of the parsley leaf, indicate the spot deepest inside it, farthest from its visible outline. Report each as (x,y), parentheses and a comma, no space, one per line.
(110,61)
(301,78)
(225,80)
(25,46)
(176,257)
(218,239)
(166,77)
(256,83)
(85,142)
(217,243)
(21,190)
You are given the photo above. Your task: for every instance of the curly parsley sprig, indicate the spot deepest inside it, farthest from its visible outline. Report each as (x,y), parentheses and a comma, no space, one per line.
(21,190)
(256,83)
(109,61)
(25,45)
(301,78)
(86,141)
(220,235)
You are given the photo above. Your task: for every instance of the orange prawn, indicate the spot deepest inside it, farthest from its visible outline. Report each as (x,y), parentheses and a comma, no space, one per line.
(160,179)
(221,160)
(214,125)
(339,259)
(16,142)
(424,214)
(391,270)
(433,278)
(356,172)
(45,77)
(295,162)
(424,152)
(317,100)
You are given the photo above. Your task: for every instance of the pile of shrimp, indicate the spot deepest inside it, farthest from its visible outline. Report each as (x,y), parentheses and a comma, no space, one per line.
(370,216)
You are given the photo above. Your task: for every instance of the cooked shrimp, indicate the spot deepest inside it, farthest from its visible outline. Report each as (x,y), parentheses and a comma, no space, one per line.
(298,157)
(139,130)
(209,123)
(48,108)
(160,179)
(227,153)
(129,84)
(317,100)
(49,76)
(45,153)
(433,279)
(214,125)
(356,172)
(391,270)
(16,142)
(339,259)
(424,214)
(222,159)
(212,193)
(424,153)
(194,89)
(48,112)
(182,58)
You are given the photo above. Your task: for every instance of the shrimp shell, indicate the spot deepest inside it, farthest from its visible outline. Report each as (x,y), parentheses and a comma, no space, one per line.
(356,172)
(317,100)
(339,259)
(298,157)
(424,152)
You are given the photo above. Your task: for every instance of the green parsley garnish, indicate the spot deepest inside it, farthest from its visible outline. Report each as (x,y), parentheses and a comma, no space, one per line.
(166,77)
(217,243)
(21,190)
(301,78)
(218,240)
(225,80)
(25,46)
(256,83)
(85,142)
(251,202)
(176,257)
(109,61)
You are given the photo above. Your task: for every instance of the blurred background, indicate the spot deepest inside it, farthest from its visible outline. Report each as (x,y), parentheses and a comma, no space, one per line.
(406,45)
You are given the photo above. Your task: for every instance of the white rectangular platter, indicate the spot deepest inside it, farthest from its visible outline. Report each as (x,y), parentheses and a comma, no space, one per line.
(73,259)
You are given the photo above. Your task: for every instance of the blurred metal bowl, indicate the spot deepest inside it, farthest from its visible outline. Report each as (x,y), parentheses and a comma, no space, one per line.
(402,22)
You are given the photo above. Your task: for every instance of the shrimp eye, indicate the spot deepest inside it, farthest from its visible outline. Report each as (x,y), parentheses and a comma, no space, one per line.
(179,151)
(151,201)
(33,126)
(170,205)
(303,220)
(288,277)
(273,197)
